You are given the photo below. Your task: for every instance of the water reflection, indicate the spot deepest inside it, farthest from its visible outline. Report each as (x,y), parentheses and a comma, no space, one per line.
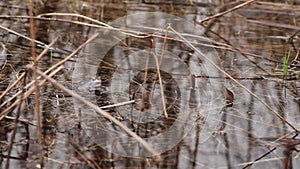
(234,137)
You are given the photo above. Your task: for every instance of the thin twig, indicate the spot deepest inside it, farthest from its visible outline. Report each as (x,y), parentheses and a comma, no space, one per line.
(264,155)
(225,12)
(236,81)
(103,113)
(15,126)
(20,120)
(46,49)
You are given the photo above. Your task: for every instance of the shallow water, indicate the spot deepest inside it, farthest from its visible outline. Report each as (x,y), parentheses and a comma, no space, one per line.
(201,131)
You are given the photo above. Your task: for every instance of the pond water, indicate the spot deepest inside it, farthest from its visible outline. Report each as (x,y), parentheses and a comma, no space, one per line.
(221,93)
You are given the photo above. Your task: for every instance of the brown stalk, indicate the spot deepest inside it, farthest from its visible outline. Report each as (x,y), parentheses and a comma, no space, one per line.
(36,83)
(144,91)
(236,81)
(146,72)
(102,112)
(227,11)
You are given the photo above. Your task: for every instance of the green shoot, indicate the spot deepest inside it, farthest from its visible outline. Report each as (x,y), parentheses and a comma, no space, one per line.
(286,59)
(74,5)
(51,56)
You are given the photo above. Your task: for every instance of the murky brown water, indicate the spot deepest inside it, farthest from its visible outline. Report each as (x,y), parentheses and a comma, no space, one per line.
(201,131)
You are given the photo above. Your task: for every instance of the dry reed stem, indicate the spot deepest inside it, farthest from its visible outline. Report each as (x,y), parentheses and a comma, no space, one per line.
(117,104)
(101,24)
(274,24)
(23,36)
(259,158)
(131,32)
(161,87)
(227,11)
(20,120)
(268,160)
(134,34)
(144,92)
(236,81)
(144,82)
(159,75)
(75,15)
(124,31)
(163,47)
(103,113)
